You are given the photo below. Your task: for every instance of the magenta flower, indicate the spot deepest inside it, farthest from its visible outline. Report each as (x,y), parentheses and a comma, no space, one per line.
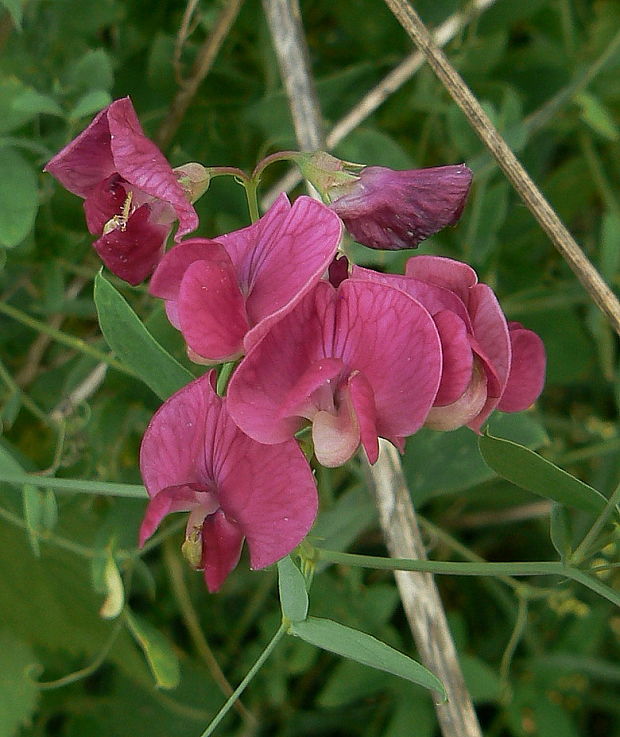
(131,195)
(358,362)
(487,362)
(224,294)
(194,459)
(389,209)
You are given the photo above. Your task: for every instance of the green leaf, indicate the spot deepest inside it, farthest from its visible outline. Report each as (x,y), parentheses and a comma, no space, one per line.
(18,691)
(596,115)
(292,588)
(92,72)
(364,648)
(159,653)
(134,345)
(19,199)
(33,103)
(528,470)
(33,514)
(560,530)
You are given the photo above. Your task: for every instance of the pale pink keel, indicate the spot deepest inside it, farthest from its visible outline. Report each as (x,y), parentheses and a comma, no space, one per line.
(131,194)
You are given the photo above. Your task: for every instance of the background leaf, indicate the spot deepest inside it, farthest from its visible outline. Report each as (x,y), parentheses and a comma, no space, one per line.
(364,648)
(134,345)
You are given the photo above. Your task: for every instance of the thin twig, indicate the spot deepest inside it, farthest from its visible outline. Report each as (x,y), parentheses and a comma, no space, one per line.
(431,633)
(182,36)
(284,20)
(379,94)
(204,60)
(520,179)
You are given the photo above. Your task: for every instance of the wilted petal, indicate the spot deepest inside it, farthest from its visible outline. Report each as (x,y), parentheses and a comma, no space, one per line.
(527,370)
(132,252)
(142,164)
(221,549)
(391,209)
(87,160)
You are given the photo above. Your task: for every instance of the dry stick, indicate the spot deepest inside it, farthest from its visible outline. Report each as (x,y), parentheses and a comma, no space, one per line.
(284,20)
(418,592)
(182,36)
(204,60)
(380,93)
(521,181)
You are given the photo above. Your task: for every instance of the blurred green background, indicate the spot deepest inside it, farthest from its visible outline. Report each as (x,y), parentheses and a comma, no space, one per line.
(547,71)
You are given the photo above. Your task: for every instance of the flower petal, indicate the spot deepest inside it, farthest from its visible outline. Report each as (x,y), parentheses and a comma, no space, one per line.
(392,341)
(527,370)
(173,446)
(269,491)
(363,401)
(273,367)
(211,309)
(281,257)
(221,549)
(398,209)
(181,498)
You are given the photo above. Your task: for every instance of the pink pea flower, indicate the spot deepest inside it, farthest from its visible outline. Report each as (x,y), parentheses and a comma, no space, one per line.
(224,294)
(487,362)
(131,194)
(389,209)
(358,362)
(194,459)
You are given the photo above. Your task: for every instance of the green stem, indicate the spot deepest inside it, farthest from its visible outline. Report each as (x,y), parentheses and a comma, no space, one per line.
(131,491)
(13,387)
(224,376)
(272,159)
(515,637)
(582,549)
(527,568)
(87,670)
(242,686)
(76,343)
(251,188)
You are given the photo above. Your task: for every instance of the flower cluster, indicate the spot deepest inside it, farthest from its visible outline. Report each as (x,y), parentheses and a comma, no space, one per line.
(349,354)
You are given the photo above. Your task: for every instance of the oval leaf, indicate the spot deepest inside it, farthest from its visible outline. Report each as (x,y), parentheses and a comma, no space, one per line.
(532,472)
(134,345)
(160,656)
(363,648)
(292,587)
(19,198)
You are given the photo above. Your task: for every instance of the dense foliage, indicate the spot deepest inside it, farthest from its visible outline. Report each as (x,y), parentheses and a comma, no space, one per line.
(540,656)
